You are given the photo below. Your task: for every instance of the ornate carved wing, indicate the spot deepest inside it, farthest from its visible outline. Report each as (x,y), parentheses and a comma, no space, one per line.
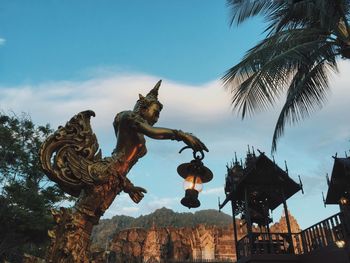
(67,154)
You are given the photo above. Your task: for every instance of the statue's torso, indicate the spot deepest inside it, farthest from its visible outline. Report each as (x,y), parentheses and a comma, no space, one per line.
(131,145)
(110,172)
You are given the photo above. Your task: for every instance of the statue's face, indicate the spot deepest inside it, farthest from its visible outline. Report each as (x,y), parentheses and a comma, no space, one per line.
(151,114)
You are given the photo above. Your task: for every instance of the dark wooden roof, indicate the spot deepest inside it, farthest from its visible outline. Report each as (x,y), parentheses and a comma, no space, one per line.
(339,185)
(265,181)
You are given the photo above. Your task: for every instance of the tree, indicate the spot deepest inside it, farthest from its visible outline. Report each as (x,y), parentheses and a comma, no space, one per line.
(305,38)
(26,195)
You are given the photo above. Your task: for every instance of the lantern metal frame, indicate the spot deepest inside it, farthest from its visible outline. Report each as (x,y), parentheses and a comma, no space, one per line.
(196,169)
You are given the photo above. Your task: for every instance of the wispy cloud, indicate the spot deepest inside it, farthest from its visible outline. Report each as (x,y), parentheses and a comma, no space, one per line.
(2,41)
(203,110)
(159,202)
(107,96)
(213,191)
(151,202)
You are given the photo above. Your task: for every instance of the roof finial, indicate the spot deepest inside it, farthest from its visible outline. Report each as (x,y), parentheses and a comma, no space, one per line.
(248,149)
(236,158)
(285,163)
(301,185)
(327,178)
(253,150)
(324,200)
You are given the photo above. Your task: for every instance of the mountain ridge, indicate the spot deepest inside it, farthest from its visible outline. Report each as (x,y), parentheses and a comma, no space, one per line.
(163,217)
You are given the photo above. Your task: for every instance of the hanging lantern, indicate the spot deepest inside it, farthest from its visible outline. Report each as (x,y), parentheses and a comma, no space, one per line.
(344,201)
(195,174)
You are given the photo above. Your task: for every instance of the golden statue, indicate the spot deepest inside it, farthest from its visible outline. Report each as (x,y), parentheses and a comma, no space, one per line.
(71,158)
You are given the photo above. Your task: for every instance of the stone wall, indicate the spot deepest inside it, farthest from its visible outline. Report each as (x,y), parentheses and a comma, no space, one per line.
(159,244)
(164,243)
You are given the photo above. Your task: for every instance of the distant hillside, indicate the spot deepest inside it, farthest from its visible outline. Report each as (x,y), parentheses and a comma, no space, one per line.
(161,217)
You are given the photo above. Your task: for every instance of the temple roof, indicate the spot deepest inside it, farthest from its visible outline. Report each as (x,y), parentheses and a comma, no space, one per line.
(265,182)
(339,185)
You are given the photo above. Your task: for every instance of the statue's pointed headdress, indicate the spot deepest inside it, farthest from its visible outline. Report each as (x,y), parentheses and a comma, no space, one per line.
(151,97)
(153,94)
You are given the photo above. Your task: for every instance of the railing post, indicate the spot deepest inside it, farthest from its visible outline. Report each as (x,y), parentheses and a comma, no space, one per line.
(298,241)
(235,228)
(321,234)
(291,245)
(247,218)
(342,223)
(326,232)
(304,243)
(329,231)
(310,239)
(345,209)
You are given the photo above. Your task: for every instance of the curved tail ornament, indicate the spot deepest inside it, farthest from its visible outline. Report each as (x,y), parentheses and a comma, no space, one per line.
(67,154)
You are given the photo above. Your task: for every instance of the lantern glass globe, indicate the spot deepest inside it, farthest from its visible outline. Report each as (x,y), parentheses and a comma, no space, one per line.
(193,182)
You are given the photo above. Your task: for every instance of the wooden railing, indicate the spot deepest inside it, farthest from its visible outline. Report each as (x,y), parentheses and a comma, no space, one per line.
(325,233)
(268,243)
(202,261)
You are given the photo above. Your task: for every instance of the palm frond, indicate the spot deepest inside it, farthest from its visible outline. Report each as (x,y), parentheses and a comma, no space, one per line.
(304,39)
(241,10)
(265,72)
(307,92)
(291,15)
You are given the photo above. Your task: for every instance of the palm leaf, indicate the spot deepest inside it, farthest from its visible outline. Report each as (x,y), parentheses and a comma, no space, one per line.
(292,15)
(307,92)
(265,72)
(304,39)
(244,9)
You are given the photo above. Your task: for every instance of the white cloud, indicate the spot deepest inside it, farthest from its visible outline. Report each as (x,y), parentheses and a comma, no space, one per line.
(2,41)
(203,110)
(129,210)
(159,202)
(122,206)
(213,191)
(58,101)
(125,206)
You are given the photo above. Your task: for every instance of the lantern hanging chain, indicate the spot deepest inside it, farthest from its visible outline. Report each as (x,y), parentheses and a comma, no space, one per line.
(195,155)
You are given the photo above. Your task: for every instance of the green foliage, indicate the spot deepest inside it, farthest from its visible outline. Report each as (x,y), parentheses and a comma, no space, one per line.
(163,217)
(26,195)
(305,38)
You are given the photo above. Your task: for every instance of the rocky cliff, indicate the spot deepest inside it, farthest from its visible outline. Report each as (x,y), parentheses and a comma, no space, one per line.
(159,244)
(163,217)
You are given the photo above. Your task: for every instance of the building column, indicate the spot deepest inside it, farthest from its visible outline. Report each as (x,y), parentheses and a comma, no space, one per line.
(247,218)
(235,236)
(291,248)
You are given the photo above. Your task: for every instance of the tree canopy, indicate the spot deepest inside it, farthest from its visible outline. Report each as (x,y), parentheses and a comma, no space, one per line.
(26,195)
(305,38)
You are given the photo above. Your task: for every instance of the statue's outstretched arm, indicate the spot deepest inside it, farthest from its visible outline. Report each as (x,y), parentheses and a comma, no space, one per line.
(170,134)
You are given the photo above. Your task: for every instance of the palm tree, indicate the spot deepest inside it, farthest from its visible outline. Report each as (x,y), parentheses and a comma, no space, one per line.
(305,39)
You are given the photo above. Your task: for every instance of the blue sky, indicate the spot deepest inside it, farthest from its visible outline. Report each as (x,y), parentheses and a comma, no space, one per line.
(188,41)
(61,57)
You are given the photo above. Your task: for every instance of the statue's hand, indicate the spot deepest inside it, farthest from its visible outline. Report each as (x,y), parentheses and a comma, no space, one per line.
(195,143)
(136,193)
